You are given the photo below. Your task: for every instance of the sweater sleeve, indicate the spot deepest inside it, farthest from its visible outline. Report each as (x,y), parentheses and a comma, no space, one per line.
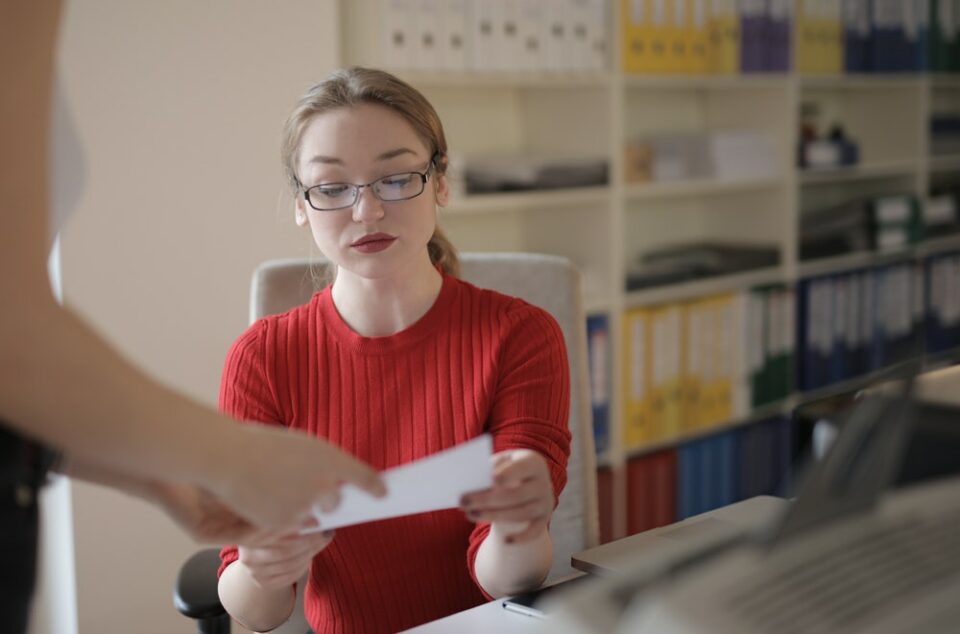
(531,407)
(246,394)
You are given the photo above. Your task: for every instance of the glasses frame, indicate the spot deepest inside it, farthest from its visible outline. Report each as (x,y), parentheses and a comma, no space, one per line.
(358,188)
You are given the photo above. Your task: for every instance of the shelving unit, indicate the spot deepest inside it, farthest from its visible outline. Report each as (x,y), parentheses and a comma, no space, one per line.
(602,229)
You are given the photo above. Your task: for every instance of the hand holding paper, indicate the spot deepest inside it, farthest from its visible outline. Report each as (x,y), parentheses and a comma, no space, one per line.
(431,484)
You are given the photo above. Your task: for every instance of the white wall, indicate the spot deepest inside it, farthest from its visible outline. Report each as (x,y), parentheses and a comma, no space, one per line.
(179,105)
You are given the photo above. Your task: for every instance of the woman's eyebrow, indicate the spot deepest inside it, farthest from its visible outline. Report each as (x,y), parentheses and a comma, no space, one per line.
(386,156)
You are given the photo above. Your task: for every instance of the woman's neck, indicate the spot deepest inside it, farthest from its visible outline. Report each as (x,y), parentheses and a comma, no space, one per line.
(382,307)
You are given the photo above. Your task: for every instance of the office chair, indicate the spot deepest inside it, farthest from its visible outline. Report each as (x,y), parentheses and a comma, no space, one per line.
(550,282)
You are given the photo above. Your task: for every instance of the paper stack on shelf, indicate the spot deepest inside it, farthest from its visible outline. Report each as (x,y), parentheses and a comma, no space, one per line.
(505,173)
(698,260)
(884,223)
(728,155)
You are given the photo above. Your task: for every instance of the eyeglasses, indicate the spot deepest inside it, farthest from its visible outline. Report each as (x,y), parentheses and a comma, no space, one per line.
(389,189)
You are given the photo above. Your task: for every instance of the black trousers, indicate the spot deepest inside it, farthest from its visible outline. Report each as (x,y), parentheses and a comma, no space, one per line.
(23,466)
(18,561)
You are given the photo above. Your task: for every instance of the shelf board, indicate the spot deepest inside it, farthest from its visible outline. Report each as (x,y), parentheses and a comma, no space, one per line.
(860,81)
(899,370)
(945,163)
(704,287)
(863,171)
(868,259)
(698,187)
(512,201)
(933,246)
(853,261)
(708,82)
(525,80)
(944,80)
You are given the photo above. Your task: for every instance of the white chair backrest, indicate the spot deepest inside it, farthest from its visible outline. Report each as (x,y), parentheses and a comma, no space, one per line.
(550,282)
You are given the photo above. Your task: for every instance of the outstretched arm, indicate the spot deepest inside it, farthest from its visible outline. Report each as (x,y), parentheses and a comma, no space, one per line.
(62,384)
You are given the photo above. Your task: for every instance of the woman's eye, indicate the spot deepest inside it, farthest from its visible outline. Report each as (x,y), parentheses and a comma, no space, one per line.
(401,180)
(333,191)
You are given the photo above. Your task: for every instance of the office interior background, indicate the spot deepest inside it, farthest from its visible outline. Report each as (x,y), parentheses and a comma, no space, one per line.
(761,196)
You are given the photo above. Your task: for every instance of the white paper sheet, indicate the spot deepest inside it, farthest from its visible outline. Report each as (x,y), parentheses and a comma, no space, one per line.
(431,484)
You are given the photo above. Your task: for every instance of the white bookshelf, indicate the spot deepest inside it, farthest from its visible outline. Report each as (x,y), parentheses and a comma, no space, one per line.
(594,113)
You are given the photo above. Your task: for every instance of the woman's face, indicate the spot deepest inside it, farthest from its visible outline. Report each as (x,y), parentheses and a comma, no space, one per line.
(360,144)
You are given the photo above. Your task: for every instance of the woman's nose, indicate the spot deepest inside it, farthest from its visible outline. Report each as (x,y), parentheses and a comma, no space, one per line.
(368,207)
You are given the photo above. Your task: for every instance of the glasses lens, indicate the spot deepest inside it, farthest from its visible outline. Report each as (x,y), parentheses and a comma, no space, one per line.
(332,195)
(399,186)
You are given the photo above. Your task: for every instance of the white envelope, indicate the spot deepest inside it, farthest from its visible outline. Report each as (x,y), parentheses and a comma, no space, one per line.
(430,484)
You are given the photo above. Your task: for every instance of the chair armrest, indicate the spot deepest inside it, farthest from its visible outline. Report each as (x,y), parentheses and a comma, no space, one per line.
(195,595)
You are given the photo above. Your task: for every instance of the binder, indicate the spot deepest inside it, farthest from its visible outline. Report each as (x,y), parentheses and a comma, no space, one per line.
(605,503)
(679,58)
(598,33)
(429,35)
(887,28)
(485,35)
(665,487)
(646,35)
(579,12)
(693,370)
(753,27)
(598,349)
(399,33)
(778,41)
(636,382)
(697,36)
(665,377)
(641,495)
(724,37)
(531,28)
(454,46)
(943,39)
(856,36)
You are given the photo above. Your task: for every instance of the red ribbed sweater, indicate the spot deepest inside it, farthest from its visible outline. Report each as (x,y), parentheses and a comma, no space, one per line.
(477,362)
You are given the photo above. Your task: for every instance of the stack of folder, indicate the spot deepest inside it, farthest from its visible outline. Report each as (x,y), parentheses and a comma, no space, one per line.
(857,322)
(700,363)
(666,36)
(495,35)
(756,459)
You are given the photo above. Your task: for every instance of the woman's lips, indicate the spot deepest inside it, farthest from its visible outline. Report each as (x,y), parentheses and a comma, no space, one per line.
(373,243)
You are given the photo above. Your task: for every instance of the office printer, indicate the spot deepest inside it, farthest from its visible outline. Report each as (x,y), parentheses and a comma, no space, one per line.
(849,555)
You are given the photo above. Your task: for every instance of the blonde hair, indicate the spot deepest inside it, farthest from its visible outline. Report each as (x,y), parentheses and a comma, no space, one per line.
(354,86)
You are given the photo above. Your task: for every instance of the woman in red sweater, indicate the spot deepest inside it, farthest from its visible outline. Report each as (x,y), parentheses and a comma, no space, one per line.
(397,359)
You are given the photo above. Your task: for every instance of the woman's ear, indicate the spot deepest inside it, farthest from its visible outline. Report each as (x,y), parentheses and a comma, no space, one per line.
(443,191)
(299,213)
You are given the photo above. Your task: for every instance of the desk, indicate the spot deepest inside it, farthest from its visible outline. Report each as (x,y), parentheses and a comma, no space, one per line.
(942,386)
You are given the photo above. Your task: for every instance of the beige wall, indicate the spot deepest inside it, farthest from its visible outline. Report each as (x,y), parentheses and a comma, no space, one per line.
(179,105)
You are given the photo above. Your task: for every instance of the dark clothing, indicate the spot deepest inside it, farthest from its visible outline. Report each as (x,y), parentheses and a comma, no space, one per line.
(23,468)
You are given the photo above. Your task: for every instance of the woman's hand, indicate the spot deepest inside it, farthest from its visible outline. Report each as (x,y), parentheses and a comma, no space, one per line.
(279,561)
(521,500)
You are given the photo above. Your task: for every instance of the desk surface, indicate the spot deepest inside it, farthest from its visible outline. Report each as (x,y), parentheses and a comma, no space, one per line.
(486,618)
